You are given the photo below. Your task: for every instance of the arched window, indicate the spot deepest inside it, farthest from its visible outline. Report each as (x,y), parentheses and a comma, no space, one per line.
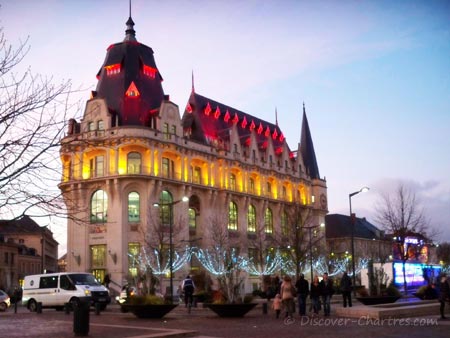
(232,182)
(268,221)
(284,224)
(192,218)
(251,186)
(251,219)
(232,216)
(165,200)
(134,163)
(99,206)
(133,207)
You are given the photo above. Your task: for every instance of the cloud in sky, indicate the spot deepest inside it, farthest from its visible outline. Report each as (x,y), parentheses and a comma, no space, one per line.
(375,75)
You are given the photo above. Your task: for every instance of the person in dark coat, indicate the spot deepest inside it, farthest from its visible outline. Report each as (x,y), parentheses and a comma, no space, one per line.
(346,289)
(315,295)
(302,292)
(326,291)
(444,294)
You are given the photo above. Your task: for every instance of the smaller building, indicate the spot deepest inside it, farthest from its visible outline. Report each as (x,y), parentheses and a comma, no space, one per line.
(369,241)
(25,248)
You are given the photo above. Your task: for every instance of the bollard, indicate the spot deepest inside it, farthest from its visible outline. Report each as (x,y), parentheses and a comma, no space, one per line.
(81,318)
(67,307)
(39,307)
(97,308)
(264,308)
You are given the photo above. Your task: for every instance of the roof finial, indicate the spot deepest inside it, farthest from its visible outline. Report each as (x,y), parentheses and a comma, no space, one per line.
(304,110)
(130,33)
(193,87)
(276,116)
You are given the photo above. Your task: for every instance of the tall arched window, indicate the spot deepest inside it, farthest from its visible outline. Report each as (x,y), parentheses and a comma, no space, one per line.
(251,219)
(232,216)
(232,182)
(284,224)
(268,221)
(192,218)
(99,206)
(134,163)
(165,200)
(133,207)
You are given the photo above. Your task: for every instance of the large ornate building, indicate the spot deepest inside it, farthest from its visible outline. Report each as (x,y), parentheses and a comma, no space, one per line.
(133,151)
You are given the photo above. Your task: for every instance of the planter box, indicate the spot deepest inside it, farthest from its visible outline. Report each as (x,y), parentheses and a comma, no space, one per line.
(374,300)
(148,311)
(231,310)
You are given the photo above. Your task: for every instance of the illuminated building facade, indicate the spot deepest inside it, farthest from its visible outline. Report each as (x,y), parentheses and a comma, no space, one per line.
(133,149)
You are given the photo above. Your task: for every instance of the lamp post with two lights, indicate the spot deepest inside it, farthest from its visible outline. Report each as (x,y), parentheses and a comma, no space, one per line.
(170,206)
(352,221)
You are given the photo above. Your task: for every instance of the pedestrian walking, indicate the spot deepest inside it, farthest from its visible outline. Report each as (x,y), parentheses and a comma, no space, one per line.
(326,291)
(444,294)
(315,295)
(188,288)
(302,287)
(276,305)
(346,289)
(287,296)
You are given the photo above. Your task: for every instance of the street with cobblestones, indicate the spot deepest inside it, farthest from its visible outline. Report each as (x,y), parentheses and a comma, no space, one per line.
(201,322)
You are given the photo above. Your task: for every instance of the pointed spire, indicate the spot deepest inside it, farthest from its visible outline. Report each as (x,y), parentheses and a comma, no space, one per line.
(307,148)
(276,117)
(193,87)
(130,33)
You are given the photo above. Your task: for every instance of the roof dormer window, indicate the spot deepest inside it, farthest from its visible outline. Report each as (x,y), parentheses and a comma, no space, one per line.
(150,71)
(132,91)
(112,69)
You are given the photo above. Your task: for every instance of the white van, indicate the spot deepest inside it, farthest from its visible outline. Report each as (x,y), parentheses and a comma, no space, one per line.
(56,289)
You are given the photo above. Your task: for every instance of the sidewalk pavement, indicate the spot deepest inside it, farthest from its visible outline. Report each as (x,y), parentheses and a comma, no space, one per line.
(202,322)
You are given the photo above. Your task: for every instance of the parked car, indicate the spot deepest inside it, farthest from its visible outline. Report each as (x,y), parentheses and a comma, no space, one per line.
(5,302)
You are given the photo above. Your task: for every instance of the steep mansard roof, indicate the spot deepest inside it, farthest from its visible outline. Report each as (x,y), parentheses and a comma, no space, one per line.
(129,80)
(209,121)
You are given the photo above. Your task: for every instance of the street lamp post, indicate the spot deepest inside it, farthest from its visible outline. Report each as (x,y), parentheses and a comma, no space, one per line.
(310,246)
(352,223)
(170,205)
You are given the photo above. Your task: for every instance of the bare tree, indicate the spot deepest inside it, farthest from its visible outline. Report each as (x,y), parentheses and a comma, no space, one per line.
(32,121)
(295,239)
(223,260)
(443,254)
(401,215)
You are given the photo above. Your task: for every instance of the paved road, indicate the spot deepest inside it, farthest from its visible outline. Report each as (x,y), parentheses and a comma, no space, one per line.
(204,323)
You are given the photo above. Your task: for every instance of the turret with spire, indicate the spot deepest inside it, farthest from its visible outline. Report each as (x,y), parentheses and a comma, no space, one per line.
(129,81)
(307,148)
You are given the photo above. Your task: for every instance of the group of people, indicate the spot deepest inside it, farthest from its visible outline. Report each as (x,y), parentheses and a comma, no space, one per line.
(319,292)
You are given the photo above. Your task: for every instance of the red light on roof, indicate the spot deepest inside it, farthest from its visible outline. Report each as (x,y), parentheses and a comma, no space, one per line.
(267,132)
(279,150)
(260,128)
(132,91)
(244,122)
(227,116)
(281,137)
(275,134)
(113,69)
(217,113)
(150,71)
(189,108)
(292,155)
(252,126)
(264,145)
(247,142)
(207,109)
(235,118)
